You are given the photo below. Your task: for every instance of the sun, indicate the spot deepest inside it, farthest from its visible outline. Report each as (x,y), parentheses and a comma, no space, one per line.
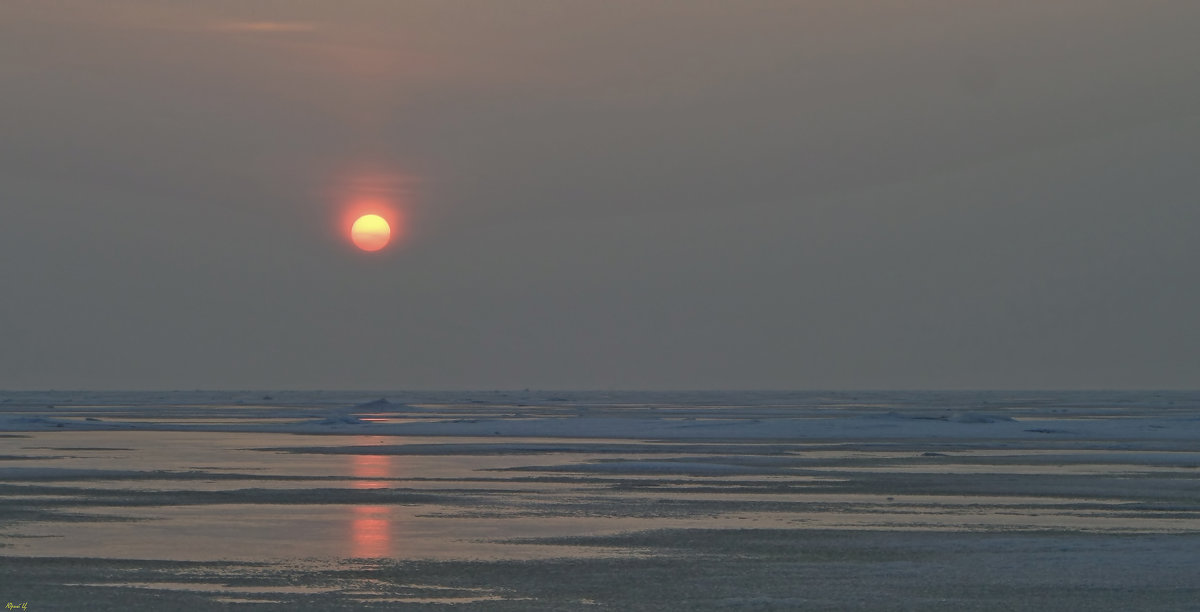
(370,232)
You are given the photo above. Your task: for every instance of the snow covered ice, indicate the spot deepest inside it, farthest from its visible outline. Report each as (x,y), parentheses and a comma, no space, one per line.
(534,500)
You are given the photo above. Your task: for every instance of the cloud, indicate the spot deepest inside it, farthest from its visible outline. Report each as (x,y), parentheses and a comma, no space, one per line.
(266,26)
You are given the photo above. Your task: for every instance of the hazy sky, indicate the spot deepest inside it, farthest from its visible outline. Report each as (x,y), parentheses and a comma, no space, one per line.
(617,194)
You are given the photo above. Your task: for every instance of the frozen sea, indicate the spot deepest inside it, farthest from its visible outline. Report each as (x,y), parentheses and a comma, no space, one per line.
(285,500)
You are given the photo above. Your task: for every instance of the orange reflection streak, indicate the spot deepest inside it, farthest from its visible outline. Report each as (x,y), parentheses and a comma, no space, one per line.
(371,532)
(371,466)
(370,526)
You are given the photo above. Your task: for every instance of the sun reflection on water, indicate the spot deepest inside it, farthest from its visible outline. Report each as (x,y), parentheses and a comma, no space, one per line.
(371,530)
(370,526)
(366,467)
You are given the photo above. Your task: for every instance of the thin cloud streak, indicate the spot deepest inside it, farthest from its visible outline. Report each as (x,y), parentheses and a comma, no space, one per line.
(266,26)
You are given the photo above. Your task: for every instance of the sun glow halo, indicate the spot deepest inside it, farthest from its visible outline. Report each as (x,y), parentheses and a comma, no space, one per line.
(370,232)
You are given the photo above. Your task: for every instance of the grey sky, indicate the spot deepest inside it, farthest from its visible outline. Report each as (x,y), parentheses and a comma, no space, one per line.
(617,194)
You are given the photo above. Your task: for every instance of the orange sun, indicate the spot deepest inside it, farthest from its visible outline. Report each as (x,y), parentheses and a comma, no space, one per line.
(370,232)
